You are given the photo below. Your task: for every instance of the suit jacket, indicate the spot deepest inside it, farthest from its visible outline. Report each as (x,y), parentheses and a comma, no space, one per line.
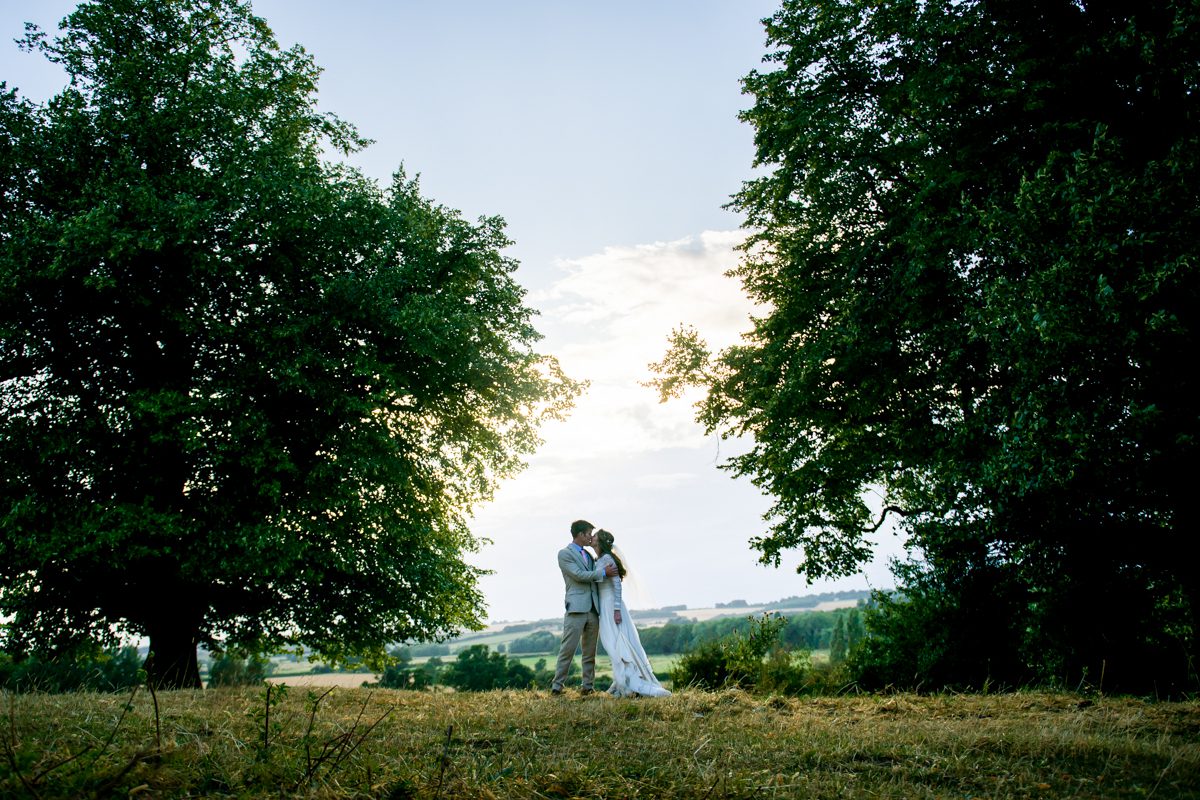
(582,593)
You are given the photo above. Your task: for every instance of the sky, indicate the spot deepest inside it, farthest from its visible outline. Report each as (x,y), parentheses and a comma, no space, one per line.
(607,136)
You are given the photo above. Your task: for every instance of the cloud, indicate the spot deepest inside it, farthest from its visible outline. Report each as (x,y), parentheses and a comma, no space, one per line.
(668,480)
(609,316)
(645,470)
(650,288)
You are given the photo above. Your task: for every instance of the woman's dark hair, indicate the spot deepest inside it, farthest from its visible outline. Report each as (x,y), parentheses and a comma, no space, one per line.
(604,542)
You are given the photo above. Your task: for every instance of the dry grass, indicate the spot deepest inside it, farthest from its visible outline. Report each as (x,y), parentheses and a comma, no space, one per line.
(342,680)
(386,744)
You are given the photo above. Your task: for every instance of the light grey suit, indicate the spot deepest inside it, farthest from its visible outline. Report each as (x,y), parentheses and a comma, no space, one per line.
(582,621)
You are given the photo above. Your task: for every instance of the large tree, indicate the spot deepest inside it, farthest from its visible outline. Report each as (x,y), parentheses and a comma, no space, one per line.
(975,241)
(248,398)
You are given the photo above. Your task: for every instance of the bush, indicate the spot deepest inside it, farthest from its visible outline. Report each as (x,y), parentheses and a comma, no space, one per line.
(827,679)
(785,672)
(933,635)
(90,670)
(235,669)
(755,660)
(706,666)
(477,670)
(404,676)
(543,676)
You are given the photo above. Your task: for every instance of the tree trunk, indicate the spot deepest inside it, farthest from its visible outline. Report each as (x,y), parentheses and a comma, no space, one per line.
(172,661)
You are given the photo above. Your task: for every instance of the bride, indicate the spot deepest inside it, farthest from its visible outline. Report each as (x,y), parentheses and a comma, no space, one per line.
(632,675)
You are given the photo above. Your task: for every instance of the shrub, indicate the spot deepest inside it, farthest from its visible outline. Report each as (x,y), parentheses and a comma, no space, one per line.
(785,672)
(477,670)
(237,669)
(755,660)
(705,666)
(940,636)
(89,670)
(543,676)
(827,679)
(406,675)
(402,674)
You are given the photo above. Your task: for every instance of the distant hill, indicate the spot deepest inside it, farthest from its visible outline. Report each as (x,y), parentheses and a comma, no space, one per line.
(503,633)
(651,617)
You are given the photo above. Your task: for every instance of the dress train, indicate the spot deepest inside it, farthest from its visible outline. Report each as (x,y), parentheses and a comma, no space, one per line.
(632,673)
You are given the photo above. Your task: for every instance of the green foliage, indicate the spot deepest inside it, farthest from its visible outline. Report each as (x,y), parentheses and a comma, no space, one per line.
(755,660)
(477,670)
(928,637)
(856,629)
(973,239)
(803,631)
(543,675)
(248,398)
(112,670)
(837,645)
(236,669)
(427,649)
(265,715)
(848,631)
(972,630)
(705,666)
(540,642)
(674,637)
(405,675)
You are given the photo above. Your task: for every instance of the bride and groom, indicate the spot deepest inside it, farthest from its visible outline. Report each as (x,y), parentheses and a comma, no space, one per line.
(595,609)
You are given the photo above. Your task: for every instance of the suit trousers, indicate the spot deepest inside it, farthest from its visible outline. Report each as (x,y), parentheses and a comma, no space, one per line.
(581,627)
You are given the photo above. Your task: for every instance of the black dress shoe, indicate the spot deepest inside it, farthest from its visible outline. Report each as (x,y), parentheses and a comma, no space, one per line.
(556,691)
(586,690)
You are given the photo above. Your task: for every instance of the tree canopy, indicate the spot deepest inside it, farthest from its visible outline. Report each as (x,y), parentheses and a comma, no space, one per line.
(248,397)
(974,238)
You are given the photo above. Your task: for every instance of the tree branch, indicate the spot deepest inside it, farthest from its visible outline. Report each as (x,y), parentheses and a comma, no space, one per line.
(892,510)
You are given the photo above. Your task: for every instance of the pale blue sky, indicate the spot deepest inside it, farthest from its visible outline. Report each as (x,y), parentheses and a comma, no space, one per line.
(585,125)
(606,134)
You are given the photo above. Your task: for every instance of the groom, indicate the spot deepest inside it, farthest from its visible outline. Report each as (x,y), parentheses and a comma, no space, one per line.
(582,621)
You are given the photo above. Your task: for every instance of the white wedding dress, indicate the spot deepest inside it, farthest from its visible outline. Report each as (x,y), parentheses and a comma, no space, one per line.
(632,674)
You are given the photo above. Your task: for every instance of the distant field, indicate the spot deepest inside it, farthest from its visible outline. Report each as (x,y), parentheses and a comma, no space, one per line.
(705,614)
(344,680)
(289,667)
(654,617)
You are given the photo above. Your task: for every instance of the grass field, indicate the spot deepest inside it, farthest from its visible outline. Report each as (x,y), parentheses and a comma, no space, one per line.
(355,743)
